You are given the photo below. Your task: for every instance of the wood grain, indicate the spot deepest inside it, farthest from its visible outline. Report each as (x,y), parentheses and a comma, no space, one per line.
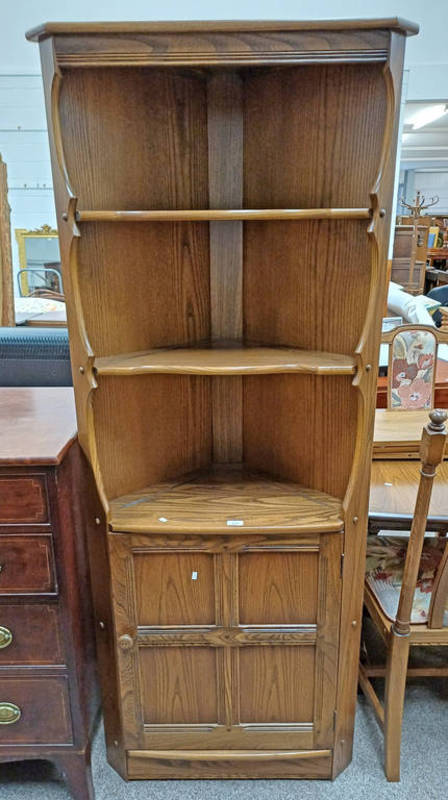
(7,314)
(315,764)
(225,146)
(292,298)
(41,722)
(44,424)
(210,500)
(226,361)
(27,564)
(277,684)
(228,26)
(169,417)
(223,215)
(316,137)
(287,417)
(164,269)
(272,588)
(36,635)
(23,498)
(171,690)
(394,485)
(174,589)
(143,114)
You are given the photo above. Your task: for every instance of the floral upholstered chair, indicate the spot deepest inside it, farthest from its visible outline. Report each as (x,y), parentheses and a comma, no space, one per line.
(412,367)
(406,598)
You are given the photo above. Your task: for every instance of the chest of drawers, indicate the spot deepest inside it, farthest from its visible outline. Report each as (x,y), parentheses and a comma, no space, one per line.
(48,689)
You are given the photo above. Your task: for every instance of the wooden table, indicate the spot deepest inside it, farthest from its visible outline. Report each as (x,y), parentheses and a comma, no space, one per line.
(49,695)
(393,490)
(397,434)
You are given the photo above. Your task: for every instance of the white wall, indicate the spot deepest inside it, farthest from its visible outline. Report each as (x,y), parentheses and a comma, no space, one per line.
(432,184)
(23,141)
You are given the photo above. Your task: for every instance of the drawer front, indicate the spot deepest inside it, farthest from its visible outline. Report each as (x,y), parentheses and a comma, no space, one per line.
(23,499)
(34,711)
(26,564)
(29,635)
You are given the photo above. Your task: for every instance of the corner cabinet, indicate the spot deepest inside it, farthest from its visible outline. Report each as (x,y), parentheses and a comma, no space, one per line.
(224,195)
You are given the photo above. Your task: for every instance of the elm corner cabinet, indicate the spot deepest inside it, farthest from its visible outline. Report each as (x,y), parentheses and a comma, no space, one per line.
(224,196)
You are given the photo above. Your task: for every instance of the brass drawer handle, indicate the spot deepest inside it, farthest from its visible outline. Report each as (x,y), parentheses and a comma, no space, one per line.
(5,637)
(9,713)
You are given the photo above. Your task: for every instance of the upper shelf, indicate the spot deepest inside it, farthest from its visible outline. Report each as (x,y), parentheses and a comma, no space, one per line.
(226,361)
(223,215)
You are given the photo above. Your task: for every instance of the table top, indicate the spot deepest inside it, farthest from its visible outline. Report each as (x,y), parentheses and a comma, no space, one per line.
(393,489)
(397,434)
(38,424)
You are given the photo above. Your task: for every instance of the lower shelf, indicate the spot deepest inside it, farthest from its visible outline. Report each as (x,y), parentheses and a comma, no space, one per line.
(224,500)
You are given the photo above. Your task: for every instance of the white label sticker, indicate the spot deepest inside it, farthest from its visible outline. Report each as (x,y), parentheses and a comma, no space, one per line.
(194,576)
(235,523)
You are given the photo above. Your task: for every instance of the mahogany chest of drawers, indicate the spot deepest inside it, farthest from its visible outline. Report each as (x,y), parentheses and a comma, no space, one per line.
(48,689)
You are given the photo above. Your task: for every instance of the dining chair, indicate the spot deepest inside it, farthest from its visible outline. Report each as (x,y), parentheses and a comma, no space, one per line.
(406,597)
(412,365)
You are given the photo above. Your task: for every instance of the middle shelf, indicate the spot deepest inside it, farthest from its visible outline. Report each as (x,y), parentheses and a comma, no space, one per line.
(218,360)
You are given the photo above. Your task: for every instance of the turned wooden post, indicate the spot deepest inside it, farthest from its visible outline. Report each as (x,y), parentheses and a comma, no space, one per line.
(431,454)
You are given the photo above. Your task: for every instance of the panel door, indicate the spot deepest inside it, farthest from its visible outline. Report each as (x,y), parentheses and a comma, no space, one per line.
(227,642)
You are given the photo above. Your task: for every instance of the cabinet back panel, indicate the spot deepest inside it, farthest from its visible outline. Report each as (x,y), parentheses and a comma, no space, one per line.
(301,428)
(154,276)
(313,135)
(178,685)
(135,138)
(277,684)
(174,589)
(294,296)
(151,428)
(278,588)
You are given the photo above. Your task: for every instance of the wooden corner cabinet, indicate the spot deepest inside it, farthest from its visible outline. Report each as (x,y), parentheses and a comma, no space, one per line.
(49,693)
(224,194)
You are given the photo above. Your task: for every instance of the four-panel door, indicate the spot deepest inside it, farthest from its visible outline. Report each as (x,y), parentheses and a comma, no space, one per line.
(227,642)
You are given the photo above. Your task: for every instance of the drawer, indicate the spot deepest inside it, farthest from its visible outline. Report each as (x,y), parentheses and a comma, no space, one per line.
(27,564)
(34,711)
(29,634)
(23,498)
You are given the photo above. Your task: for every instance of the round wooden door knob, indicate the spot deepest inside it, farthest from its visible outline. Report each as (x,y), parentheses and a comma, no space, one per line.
(126,642)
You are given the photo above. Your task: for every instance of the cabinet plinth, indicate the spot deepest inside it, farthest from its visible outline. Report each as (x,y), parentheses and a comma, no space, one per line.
(224,192)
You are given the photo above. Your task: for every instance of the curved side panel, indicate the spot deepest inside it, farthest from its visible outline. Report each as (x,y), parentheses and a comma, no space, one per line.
(356,499)
(80,350)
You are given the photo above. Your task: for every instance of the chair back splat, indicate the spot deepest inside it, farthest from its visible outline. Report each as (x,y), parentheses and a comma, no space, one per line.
(431,454)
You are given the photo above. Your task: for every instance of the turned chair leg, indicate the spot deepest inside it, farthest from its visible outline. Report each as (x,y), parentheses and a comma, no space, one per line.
(77,773)
(397,664)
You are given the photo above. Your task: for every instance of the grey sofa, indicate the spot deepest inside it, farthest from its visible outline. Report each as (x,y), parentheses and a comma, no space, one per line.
(34,357)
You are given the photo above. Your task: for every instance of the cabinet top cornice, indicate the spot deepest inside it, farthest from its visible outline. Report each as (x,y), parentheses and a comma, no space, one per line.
(217,26)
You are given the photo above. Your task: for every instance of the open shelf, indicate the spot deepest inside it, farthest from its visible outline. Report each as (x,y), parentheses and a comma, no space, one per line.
(226,499)
(235,360)
(223,215)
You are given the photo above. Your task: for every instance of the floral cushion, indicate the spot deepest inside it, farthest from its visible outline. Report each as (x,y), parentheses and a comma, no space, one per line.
(412,367)
(384,574)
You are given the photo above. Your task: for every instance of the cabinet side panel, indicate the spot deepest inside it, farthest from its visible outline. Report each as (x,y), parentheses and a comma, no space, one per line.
(306,284)
(151,428)
(153,276)
(313,135)
(135,138)
(301,428)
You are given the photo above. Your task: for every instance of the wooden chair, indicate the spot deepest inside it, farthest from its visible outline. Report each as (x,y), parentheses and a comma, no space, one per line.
(412,365)
(411,624)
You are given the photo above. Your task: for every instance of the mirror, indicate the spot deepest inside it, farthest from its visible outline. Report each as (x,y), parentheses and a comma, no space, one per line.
(40,263)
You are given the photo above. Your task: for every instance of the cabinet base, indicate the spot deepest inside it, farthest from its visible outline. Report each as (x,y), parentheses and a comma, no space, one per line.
(163,765)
